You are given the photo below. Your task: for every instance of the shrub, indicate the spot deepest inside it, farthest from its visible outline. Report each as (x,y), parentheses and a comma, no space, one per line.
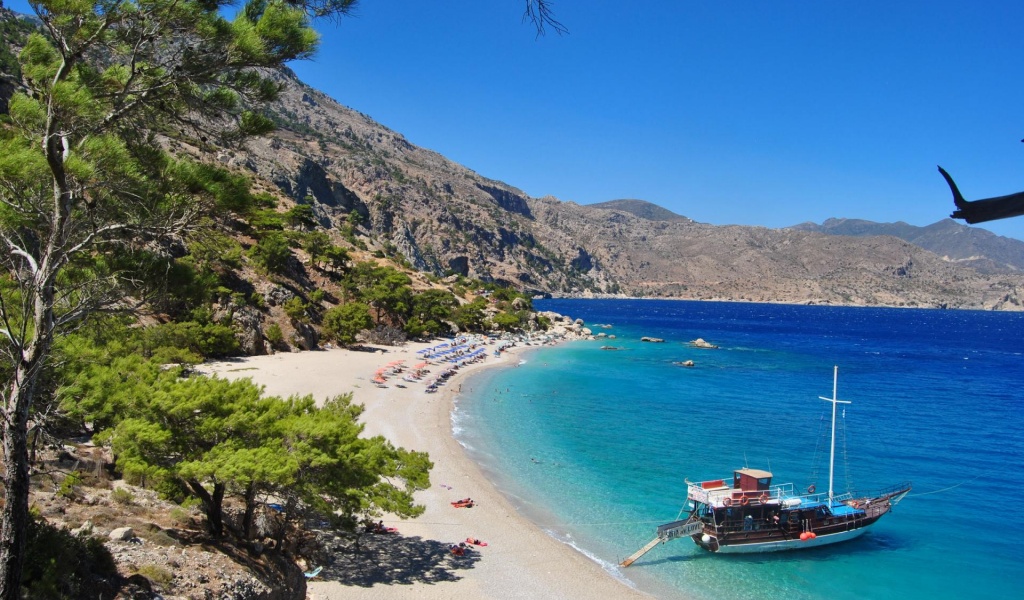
(181,517)
(204,339)
(506,321)
(122,496)
(67,486)
(61,565)
(342,323)
(156,574)
(153,534)
(271,254)
(295,308)
(274,334)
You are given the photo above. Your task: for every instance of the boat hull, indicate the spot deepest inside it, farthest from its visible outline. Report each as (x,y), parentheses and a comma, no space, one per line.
(780,544)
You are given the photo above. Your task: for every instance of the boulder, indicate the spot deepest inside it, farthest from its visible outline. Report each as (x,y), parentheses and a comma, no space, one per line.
(700,343)
(276,295)
(248,322)
(122,534)
(305,337)
(652,339)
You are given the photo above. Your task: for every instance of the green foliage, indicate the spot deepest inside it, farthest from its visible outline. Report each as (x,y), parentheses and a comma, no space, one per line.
(156,574)
(337,257)
(470,317)
(225,435)
(271,254)
(382,287)
(266,220)
(274,334)
(431,309)
(61,565)
(342,323)
(506,321)
(122,496)
(84,182)
(316,243)
(14,32)
(300,215)
(181,517)
(68,484)
(199,339)
(295,308)
(256,299)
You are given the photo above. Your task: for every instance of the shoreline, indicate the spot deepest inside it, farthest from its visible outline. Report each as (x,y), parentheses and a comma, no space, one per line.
(521,559)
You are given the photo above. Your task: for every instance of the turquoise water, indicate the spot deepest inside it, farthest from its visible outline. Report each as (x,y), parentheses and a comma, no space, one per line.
(593,445)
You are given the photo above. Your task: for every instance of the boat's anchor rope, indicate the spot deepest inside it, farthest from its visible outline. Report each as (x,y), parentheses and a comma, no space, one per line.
(946,489)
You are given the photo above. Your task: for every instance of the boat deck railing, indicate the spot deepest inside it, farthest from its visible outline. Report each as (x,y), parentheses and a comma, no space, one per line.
(790,523)
(811,494)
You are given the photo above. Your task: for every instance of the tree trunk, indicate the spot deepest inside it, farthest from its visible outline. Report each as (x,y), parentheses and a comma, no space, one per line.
(213,505)
(250,509)
(14,518)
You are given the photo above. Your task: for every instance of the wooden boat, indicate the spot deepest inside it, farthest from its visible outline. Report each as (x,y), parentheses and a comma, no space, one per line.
(751,514)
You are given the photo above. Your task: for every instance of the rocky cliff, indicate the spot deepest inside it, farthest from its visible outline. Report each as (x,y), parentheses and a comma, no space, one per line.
(445,218)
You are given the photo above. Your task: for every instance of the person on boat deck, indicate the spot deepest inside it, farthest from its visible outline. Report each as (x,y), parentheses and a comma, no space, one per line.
(748,523)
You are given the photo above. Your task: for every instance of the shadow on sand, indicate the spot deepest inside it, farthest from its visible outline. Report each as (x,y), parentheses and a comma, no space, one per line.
(396,559)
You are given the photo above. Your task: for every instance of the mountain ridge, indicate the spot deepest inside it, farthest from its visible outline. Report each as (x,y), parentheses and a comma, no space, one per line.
(972,246)
(445,219)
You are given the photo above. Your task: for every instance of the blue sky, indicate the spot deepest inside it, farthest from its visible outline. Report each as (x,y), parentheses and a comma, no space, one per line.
(728,112)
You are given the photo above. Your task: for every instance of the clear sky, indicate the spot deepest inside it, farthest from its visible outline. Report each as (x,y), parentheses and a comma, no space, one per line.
(727,112)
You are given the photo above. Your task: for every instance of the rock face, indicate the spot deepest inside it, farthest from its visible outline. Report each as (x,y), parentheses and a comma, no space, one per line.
(248,322)
(447,219)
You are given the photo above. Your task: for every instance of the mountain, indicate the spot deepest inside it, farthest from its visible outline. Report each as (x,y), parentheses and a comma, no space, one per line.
(641,208)
(980,249)
(439,217)
(444,218)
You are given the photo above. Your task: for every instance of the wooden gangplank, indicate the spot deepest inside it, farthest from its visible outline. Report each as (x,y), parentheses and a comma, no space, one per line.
(666,532)
(636,555)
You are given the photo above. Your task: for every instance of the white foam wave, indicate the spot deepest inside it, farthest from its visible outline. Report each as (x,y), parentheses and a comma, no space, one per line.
(610,568)
(456,419)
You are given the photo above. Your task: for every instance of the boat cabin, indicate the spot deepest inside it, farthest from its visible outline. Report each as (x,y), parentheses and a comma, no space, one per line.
(751,480)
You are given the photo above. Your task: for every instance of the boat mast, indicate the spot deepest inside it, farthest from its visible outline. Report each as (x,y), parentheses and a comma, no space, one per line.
(832,454)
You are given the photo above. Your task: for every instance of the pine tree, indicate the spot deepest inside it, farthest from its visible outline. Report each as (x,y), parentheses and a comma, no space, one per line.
(85,188)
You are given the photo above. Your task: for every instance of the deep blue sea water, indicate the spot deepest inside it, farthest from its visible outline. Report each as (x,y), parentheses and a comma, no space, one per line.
(593,445)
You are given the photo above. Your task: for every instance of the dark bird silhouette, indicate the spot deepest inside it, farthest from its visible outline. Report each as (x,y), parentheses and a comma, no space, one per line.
(988,209)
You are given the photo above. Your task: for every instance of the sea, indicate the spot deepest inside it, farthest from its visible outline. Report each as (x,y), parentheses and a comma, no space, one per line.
(594,445)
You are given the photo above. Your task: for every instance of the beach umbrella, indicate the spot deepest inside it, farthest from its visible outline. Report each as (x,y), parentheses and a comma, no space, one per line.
(421,365)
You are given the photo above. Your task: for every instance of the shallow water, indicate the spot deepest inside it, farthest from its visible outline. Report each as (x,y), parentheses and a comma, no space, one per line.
(594,445)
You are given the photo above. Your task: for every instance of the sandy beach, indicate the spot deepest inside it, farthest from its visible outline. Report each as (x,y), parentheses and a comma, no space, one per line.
(520,560)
